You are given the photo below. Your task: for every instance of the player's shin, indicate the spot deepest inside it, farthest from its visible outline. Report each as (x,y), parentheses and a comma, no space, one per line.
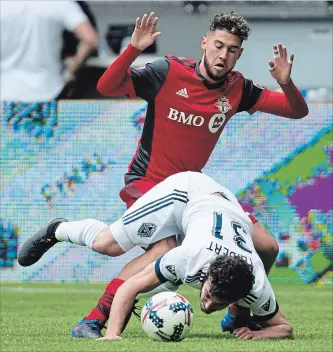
(83,232)
(101,311)
(103,307)
(91,326)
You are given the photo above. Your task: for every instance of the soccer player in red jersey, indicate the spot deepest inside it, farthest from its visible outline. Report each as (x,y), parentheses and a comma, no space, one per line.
(189,104)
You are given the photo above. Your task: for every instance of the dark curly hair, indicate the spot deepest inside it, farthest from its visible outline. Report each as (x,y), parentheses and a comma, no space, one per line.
(231,278)
(232,23)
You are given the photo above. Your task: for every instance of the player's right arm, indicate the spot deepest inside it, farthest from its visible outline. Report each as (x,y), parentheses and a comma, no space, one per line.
(116,80)
(123,301)
(169,267)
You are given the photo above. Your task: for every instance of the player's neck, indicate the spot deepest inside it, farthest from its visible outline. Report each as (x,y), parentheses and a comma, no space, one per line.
(203,72)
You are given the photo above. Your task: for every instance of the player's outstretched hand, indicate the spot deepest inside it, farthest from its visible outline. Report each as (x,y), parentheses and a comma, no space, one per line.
(109,337)
(244,333)
(280,66)
(145,33)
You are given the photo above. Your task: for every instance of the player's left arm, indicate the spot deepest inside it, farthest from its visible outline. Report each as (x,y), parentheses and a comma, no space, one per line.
(290,103)
(275,328)
(123,301)
(267,313)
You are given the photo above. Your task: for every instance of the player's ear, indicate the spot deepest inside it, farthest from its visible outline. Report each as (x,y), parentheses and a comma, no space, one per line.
(203,42)
(240,53)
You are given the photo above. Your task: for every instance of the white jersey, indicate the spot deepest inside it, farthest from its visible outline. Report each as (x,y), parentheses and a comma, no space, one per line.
(31,40)
(209,225)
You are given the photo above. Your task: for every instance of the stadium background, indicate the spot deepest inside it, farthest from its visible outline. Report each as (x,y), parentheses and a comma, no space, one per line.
(280,169)
(68,158)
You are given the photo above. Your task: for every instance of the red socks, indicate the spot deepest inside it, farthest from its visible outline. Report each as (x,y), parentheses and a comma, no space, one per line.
(103,307)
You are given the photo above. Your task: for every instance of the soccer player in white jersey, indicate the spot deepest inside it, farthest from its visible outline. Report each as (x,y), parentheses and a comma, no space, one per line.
(215,252)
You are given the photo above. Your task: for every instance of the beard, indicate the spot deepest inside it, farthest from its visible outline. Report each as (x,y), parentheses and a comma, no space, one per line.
(209,72)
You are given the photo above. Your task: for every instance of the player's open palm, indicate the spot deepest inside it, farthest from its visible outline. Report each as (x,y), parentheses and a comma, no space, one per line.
(280,67)
(145,31)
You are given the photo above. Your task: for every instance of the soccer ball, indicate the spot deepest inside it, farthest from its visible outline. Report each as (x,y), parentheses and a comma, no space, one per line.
(167,316)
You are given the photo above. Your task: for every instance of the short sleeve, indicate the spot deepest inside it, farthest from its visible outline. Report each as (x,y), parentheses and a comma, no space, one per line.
(148,80)
(265,306)
(72,15)
(171,266)
(251,93)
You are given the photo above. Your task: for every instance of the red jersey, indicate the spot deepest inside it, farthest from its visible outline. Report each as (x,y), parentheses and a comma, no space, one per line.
(185,116)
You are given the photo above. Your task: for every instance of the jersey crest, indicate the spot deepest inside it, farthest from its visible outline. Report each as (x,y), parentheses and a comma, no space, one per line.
(146,230)
(223,104)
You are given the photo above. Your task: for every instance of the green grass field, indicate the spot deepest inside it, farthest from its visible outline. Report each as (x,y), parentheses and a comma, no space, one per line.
(40,317)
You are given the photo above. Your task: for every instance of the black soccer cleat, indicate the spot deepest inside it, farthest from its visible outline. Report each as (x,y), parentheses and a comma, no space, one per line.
(34,248)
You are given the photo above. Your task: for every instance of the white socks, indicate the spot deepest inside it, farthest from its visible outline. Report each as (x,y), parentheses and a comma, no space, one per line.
(81,232)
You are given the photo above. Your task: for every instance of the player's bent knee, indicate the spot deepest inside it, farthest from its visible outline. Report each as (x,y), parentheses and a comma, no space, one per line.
(274,248)
(264,242)
(269,248)
(163,246)
(105,243)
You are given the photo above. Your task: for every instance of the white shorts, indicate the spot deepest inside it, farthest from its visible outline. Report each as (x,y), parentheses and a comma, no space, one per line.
(154,215)
(164,210)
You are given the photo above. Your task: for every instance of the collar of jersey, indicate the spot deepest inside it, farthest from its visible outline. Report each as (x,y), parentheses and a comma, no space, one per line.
(207,84)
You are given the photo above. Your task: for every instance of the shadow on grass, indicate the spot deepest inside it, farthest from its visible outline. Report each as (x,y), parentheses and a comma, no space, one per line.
(209,335)
(192,335)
